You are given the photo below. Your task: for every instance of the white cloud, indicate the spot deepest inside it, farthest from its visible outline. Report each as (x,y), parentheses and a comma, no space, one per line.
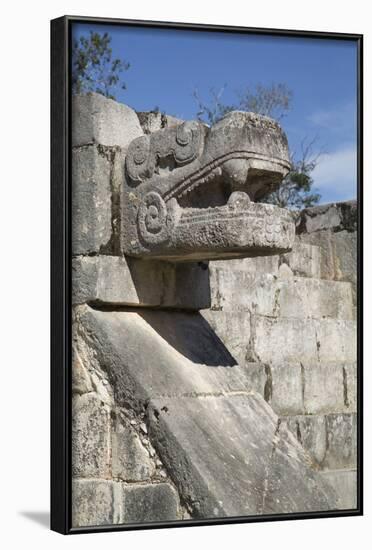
(341,119)
(335,176)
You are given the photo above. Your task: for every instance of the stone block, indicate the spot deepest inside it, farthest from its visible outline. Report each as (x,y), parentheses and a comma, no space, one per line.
(93,502)
(91,201)
(269,295)
(350,386)
(304,260)
(344,483)
(330,440)
(233,328)
(345,258)
(152,121)
(285,339)
(310,431)
(323,388)
(338,255)
(97,119)
(148,503)
(335,216)
(125,281)
(257,266)
(258,378)
(336,340)
(341,441)
(286,393)
(91,437)
(130,459)
(81,381)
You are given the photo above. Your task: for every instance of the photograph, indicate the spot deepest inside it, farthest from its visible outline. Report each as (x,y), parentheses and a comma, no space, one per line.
(206,250)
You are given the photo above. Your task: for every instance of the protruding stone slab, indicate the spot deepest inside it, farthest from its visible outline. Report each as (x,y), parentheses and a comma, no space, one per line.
(97,119)
(179,355)
(220,442)
(120,281)
(230,457)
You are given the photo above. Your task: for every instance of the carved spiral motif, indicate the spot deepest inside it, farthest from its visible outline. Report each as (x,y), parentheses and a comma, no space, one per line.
(137,159)
(188,136)
(144,153)
(153,220)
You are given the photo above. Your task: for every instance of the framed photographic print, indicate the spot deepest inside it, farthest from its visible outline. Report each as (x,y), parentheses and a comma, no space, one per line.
(206,274)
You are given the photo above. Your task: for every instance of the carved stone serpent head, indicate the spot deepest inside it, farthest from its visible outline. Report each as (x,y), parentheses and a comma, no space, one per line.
(189,192)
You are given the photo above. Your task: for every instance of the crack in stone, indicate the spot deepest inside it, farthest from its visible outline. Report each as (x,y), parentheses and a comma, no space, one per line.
(344,381)
(268,468)
(268,388)
(303,381)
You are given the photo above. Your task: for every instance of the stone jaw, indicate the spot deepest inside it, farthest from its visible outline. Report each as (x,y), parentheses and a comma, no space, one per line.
(189,190)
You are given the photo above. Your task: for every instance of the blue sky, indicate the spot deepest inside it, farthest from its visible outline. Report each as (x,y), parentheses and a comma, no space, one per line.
(167,65)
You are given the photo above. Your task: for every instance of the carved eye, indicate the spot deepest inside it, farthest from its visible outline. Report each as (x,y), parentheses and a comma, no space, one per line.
(137,157)
(140,150)
(184,134)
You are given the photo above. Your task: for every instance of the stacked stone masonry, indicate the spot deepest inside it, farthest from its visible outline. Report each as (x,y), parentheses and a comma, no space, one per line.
(290,319)
(287,321)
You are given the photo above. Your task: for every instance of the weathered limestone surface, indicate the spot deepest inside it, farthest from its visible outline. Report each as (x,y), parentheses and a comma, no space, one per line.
(299,312)
(299,388)
(152,121)
(100,502)
(344,483)
(93,502)
(188,191)
(160,404)
(242,464)
(276,297)
(200,401)
(234,329)
(304,340)
(97,119)
(333,228)
(90,437)
(146,503)
(303,260)
(91,201)
(329,439)
(126,281)
(131,461)
(335,216)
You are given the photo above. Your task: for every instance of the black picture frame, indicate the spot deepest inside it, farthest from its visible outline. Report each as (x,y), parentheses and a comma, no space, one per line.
(60,397)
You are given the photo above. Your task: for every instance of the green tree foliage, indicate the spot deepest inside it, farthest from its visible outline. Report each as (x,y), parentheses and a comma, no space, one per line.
(93,68)
(273,101)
